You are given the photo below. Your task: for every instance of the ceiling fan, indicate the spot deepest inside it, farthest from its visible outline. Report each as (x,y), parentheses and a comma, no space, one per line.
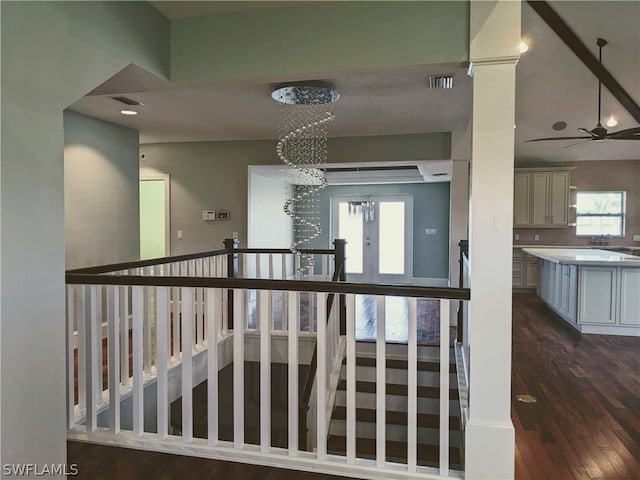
(599,133)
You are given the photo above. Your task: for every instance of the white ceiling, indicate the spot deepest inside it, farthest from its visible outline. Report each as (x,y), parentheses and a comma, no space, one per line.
(552,85)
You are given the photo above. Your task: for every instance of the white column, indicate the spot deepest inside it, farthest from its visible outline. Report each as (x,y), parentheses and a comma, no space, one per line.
(489,435)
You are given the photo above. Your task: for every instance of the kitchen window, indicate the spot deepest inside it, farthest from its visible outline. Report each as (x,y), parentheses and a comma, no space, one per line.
(600,213)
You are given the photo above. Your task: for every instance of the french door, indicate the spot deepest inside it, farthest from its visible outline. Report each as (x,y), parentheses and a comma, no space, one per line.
(378,230)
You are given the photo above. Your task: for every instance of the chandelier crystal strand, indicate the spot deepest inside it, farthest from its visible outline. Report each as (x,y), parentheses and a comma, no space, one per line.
(303,148)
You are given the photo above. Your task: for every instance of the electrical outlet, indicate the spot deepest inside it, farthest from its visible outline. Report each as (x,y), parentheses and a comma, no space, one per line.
(636,238)
(179,234)
(536,237)
(517,236)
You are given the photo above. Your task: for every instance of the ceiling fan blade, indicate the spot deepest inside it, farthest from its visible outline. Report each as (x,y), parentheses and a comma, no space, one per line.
(578,143)
(558,138)
(588,132)
(622,133)
(627,137)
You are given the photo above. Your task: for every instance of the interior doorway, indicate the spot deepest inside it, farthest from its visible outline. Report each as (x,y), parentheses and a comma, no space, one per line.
(154,216)
(379,234)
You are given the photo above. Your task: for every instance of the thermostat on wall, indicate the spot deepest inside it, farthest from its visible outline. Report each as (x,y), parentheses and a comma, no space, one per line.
(208,215)
(223,215)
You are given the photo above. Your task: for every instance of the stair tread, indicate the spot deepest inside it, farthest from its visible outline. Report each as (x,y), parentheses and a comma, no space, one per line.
(366,447)
(402,364)
(398,389)
(424,420)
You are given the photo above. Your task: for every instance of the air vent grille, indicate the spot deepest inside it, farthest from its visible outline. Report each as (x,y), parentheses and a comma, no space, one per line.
(440,81)
(126,100)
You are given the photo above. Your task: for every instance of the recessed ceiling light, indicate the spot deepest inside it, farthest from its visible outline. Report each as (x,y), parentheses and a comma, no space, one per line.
(558,126)
(523,47)
(612,122)
(128,112)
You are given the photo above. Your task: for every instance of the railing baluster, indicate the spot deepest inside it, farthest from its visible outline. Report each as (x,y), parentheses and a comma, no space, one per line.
(284,317)
(200,323)
(123,311)
(113,342)
(351,378)
(175,311)
(83,324)
(223,269)
(293,300)
(265,370)
(138,379)
(162,360)
(187,361)
(213,307)
(70,290)
(92,338)
(239,324)
(325,270)
(148,308)
(444,387)
(321,377)
(412,386)
(380,382)
(271,276)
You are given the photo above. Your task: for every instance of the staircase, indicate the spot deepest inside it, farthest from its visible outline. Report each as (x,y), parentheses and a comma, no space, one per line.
(428,418)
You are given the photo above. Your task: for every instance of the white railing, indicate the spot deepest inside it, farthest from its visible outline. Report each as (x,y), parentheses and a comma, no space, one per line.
(175,334)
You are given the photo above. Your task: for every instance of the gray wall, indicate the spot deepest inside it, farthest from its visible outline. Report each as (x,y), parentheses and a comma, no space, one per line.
(206,176)
(101,175)
(52,54)
(213,175)
(430,210)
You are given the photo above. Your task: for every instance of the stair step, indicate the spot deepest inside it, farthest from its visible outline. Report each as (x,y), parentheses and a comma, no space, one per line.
(395,451)
(424,420)
(401,364)
(399,389)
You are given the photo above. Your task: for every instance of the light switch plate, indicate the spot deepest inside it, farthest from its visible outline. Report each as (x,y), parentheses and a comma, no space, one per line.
(208,215)
(179,234)
(636,238)
(536,237)
(430,231)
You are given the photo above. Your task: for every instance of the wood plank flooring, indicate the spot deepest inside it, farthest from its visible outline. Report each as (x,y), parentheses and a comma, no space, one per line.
(586,424)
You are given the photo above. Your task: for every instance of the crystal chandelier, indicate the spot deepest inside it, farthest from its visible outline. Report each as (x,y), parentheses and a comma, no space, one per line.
(304,114)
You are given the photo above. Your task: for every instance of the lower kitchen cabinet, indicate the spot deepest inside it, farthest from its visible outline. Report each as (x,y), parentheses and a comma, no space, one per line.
(593,299)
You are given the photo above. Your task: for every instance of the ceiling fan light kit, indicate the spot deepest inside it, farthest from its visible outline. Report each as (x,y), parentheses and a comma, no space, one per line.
(599,133)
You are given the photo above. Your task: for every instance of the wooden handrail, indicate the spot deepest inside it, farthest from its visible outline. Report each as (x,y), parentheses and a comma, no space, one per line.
(263,284)
(114,267)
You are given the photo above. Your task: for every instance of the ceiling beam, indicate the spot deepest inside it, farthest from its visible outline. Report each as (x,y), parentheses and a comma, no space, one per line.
(560,27)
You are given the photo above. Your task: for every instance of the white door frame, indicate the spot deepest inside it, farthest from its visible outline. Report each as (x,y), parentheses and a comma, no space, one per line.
(167,205)
(370,260)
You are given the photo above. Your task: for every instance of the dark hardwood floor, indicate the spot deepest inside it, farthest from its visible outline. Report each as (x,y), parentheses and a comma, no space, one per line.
(585,425)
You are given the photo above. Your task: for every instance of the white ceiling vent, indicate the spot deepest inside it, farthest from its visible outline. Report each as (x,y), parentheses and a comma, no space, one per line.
(440,81)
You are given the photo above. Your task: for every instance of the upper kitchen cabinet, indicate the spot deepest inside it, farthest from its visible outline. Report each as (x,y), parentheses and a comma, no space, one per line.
(541,197)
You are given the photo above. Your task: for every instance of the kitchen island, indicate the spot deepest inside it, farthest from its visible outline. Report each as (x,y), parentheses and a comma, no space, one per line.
(595,291)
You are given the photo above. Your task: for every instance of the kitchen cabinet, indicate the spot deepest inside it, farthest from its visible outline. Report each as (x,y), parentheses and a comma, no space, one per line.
(592,295)
(541,197)
(524,270)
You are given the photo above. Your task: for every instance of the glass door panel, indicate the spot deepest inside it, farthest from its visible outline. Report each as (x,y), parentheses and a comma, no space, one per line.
(391,233)
(351,228)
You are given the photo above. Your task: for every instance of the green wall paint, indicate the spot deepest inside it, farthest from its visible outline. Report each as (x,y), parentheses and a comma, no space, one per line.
(152,219)
(319,38)
(52,54)
(100,192)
